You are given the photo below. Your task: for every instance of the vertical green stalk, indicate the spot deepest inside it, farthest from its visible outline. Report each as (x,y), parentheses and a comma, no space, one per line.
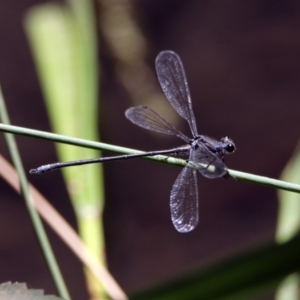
(64,44)
(35,219)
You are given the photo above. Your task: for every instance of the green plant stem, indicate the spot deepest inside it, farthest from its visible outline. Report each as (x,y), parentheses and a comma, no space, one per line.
(262,180)
(35,218)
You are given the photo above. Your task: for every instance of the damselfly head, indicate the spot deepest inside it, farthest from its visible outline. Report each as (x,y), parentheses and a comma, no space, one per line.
(228,145)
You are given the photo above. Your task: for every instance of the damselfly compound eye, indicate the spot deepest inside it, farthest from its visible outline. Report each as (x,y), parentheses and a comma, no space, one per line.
(230,148)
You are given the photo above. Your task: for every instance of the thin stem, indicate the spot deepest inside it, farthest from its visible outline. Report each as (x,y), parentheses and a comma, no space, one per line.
(262,180)
(35,218)
(266,181)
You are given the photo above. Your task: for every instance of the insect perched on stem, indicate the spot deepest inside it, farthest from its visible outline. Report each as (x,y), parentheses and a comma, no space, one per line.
(205,154)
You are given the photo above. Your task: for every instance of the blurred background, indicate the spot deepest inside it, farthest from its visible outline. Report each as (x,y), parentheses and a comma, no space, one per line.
(242,60)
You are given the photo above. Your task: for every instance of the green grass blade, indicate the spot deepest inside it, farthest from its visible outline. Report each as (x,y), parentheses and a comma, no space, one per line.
(63,40)
(35,219)
(242,277)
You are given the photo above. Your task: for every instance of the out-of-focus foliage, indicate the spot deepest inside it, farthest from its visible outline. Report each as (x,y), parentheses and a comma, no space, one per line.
(289,223)
(19,291)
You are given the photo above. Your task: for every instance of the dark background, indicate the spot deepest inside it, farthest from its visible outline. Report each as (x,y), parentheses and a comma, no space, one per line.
(242,60)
